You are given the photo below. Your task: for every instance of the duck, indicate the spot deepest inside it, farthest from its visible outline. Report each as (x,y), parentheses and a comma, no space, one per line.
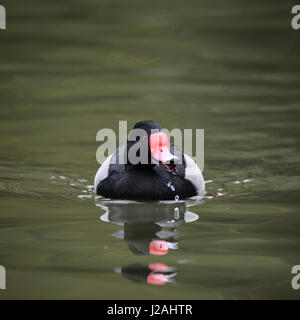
(157,175)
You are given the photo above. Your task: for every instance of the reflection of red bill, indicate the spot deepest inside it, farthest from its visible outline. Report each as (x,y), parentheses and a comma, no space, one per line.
(157,278)
(160,148)
(158,247)
(158,267)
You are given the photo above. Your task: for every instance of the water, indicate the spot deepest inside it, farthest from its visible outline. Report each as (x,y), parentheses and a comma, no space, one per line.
(70,68)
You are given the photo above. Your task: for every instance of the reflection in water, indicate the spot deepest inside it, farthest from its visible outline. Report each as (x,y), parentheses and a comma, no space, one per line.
(148,229)
(153,273)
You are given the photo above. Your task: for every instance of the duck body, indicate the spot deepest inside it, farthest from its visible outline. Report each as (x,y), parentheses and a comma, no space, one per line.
(145,184)
(149,181)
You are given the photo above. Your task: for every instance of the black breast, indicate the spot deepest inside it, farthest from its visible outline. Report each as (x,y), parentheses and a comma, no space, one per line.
(140,184)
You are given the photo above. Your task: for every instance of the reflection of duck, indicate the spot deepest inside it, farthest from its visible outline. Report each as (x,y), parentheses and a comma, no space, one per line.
(154,170)
(153,273)
(148,228)
(142,238)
